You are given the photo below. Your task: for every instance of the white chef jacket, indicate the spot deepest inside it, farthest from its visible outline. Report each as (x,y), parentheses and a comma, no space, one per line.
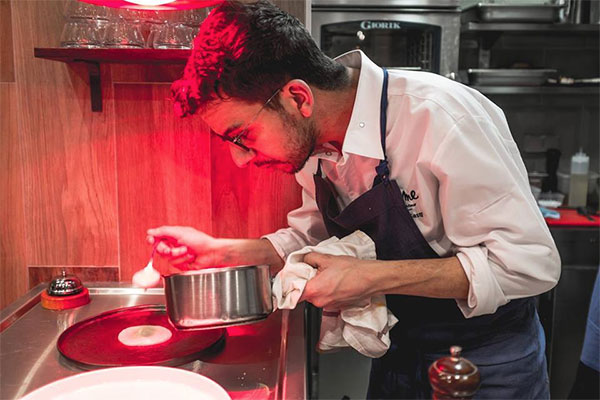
(463,181)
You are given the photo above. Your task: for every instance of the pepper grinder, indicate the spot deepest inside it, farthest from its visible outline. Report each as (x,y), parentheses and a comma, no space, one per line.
(454,377)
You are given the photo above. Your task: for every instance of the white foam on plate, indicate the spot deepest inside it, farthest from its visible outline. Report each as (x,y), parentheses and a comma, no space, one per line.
(144,335)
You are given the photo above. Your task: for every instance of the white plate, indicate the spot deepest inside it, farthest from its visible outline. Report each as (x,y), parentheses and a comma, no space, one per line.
(148,383)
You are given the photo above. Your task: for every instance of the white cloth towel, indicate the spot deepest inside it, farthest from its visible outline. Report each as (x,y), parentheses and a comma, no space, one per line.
(365,326)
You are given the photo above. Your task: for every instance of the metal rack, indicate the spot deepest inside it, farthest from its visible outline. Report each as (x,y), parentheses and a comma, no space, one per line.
(558,90)
(528,27)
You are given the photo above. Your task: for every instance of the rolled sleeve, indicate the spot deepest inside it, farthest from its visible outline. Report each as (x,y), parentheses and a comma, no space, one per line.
(286,241)
(485,294)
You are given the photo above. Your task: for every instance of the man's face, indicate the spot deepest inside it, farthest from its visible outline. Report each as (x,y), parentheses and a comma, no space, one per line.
(274,138)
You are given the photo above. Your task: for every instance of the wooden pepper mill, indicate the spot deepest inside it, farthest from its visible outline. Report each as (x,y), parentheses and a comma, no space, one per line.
(453,377)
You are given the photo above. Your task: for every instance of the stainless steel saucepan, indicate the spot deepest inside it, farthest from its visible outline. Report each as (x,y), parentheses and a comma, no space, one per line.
(218,297)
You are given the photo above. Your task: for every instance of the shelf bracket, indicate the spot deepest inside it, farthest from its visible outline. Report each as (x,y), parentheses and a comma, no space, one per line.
(95,85)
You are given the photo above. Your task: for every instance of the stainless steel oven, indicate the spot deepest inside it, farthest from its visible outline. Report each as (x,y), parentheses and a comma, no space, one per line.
(416,34)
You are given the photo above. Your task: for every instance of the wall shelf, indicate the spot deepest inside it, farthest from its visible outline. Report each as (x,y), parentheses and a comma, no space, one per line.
(528,27)
(487,33)
(559,90)
(94,57)
(121,56)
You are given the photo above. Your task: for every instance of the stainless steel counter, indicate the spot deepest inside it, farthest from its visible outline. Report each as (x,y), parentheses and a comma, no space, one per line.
(264,360)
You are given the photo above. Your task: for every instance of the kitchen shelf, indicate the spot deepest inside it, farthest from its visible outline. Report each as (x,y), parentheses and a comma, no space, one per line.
(573,90)
(528,27)
(487,33)
(94,57)
(120,56)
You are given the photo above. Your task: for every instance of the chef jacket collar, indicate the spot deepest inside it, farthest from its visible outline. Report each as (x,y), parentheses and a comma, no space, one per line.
(363,136)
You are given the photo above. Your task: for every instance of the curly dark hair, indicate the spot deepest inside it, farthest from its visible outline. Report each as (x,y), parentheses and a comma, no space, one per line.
(247,51)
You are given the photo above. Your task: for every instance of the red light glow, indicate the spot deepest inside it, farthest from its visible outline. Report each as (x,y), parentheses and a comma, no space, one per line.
(150,2)
(155,4)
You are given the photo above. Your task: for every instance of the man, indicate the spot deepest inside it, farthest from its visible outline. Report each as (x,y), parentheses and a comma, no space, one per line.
(425,166)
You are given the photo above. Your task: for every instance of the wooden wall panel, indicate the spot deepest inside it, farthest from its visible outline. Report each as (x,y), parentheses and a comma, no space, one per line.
(7,67)
(125,73)
(272,188)
(45,273)
(230,193)
(13,272)
(163,165)
(68,151)
(249,202)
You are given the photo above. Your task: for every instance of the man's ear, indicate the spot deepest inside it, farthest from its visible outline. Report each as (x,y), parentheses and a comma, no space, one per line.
(298,95)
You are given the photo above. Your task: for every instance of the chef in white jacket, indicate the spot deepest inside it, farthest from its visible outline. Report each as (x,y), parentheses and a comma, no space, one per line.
(425,166)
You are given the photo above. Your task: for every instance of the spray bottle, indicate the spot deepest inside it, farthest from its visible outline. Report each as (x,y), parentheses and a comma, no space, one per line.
(578,183)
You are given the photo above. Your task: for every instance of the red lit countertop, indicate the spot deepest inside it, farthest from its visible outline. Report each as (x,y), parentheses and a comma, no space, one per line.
(570,217)
(264,360)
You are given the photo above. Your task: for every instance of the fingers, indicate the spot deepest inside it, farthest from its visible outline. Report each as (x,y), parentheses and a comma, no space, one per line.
(170,236)
(165,231)
(182,261)
(163,249)
(179,251)
(169,250)
(317,260)
(325,302)
(307,292)
(176,255)
(166,239)
(178,265)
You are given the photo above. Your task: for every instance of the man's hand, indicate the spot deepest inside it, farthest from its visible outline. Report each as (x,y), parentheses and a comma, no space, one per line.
(340,281)
(185,247)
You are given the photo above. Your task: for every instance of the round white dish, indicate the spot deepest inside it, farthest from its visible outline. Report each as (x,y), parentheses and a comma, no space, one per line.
(140,382)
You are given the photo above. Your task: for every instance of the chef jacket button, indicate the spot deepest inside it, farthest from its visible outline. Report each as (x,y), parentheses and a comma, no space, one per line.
(362,124)
(328,153)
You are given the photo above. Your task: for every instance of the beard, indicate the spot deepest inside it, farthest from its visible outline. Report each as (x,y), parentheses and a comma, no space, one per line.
(302,139)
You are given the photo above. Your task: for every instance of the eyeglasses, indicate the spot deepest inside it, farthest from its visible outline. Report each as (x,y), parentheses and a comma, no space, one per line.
(237,139)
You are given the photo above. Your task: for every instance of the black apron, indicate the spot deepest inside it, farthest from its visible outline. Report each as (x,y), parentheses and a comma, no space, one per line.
(427,327)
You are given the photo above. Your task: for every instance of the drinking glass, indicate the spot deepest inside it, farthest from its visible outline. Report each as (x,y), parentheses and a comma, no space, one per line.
(173,36)
(80,10)
(80,33)
(123,34)
(191,17)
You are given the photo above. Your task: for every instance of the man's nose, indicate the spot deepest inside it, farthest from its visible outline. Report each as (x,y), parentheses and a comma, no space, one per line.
(241,157)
